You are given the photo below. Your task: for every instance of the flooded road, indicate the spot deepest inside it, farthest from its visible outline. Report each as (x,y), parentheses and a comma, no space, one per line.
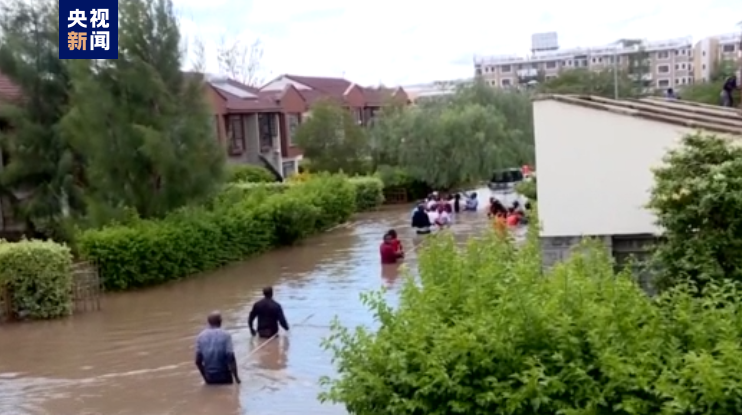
(135,357)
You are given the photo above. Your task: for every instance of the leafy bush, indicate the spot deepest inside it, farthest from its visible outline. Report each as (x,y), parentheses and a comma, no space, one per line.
(301,177)
(236,192)
(398,178)
(38,275)
(191,240)
(698,202)
(239,173)
(485,332)
(369,192)
(528,189)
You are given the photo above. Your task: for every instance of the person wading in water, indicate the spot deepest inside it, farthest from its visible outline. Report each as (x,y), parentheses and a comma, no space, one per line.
(269,314)
(215,354)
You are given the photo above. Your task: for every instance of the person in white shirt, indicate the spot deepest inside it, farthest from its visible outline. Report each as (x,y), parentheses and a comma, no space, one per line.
(443,218)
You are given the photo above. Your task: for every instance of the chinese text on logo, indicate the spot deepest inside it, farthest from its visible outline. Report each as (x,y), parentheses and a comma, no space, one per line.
(88,29)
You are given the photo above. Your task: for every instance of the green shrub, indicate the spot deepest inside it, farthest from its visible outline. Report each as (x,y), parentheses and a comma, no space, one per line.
(696,198)
(39,277)
(369,192)
(483,331)
(236,192)
(192,240)
(239,173)
(528,189)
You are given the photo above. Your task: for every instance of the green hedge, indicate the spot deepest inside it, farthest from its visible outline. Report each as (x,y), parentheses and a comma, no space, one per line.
(192,240)
(238,173)
(236,192)
(39,277)
(369,192)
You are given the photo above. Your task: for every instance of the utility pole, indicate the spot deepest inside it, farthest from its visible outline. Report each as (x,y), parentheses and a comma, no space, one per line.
(616,56)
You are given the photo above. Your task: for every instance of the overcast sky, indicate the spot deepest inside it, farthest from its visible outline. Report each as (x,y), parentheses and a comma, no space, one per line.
(410,41)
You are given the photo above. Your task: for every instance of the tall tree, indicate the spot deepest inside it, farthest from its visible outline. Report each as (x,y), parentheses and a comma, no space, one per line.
(457,139)
(143,125)
(241,61)
(40,166)
(332,140)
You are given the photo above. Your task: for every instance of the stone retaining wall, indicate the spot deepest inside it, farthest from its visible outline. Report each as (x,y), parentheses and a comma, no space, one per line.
(622,247)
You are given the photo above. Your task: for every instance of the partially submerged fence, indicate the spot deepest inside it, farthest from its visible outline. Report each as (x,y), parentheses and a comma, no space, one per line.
(87,289)
(393,196)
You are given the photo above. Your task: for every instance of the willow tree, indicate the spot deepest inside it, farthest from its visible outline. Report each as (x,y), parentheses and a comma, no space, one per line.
(454,140)
(143,125)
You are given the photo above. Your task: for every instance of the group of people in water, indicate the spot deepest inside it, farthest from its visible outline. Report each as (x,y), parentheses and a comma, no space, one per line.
(437,212)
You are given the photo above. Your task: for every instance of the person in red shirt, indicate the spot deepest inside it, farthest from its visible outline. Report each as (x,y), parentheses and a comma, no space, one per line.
(513,218)
(396,242)
(387,250)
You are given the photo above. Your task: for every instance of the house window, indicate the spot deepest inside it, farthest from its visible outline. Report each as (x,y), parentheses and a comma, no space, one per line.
(289,168)
(505,68)
(663,55)
(267,128)
(663,83)
(663,68)
(236,135)
(727,48)
(293,121)
(505,82)
(551,65)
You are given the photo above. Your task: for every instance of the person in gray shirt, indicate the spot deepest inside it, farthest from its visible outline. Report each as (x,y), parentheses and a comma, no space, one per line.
(215,354)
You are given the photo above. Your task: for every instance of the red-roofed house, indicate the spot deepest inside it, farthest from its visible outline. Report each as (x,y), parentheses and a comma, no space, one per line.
(362,101)
(258,125)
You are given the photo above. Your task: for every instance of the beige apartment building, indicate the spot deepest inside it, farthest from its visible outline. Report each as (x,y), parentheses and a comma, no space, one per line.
(710,51)
(672,63)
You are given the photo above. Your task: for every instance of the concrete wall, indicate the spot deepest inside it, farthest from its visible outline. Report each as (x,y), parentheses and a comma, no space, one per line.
(594,169)
(623,248)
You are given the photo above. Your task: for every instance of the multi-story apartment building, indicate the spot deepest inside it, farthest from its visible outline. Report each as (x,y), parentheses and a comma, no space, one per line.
(711,51)
(670,63)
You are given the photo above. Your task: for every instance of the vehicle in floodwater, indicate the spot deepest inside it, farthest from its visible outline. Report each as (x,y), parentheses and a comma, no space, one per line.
(506,179)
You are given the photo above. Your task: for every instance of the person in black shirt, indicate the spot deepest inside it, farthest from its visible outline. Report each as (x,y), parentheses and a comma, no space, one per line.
(421,221)
(269,314)
(730,84)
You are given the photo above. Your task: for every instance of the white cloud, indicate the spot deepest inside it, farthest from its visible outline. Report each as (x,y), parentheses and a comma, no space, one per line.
(396,41)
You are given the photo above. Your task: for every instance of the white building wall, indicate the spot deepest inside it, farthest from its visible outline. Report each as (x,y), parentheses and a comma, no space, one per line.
(594,169)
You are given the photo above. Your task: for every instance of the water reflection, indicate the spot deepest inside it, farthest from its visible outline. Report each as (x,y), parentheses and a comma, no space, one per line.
(271,354)
(389,274)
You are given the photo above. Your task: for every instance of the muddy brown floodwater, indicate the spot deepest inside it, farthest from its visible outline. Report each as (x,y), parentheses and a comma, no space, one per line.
(135,357)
